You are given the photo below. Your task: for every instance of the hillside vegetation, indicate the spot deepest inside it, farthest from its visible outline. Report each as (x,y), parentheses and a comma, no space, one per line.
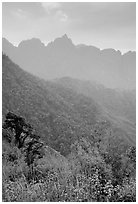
(65,144)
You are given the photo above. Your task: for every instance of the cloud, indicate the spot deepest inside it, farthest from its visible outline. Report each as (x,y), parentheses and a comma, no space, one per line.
(92,23)
(50,6)
(61,16)
(20,14)
(55,9)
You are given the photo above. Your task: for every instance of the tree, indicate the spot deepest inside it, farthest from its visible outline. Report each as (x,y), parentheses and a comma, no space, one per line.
(24,137)
(19,128)
(33,150)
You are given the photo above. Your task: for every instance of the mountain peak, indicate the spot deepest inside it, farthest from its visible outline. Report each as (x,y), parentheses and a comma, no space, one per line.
(62,42)
(5,41)
(65,36)
(33,42)
(7,47)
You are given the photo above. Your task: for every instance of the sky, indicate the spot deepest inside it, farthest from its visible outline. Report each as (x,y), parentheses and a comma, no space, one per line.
(105,25)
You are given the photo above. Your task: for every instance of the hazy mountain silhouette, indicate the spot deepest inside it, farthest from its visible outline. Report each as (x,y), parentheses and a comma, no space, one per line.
(62,58)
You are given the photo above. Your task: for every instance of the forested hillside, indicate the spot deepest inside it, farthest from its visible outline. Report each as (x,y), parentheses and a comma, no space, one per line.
(59,114)
(72,145)
(119,106)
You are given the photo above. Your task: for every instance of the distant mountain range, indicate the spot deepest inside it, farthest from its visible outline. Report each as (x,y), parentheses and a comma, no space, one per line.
(61,58)
(64,110)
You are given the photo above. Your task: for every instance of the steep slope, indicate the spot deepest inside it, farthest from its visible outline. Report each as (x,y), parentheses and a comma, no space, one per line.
(119,106)
(58,114)
(62,58)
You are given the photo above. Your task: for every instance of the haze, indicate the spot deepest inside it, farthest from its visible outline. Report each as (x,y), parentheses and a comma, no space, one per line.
(105,25)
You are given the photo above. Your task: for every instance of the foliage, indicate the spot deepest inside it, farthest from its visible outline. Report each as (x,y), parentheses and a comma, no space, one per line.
(23,137)
(33,172)
(19,127)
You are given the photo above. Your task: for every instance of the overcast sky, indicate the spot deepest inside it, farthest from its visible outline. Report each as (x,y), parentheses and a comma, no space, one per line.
(105,25)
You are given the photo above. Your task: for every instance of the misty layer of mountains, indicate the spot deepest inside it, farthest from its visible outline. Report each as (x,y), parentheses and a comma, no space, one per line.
(69,123)
(64,110)
(62,58)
